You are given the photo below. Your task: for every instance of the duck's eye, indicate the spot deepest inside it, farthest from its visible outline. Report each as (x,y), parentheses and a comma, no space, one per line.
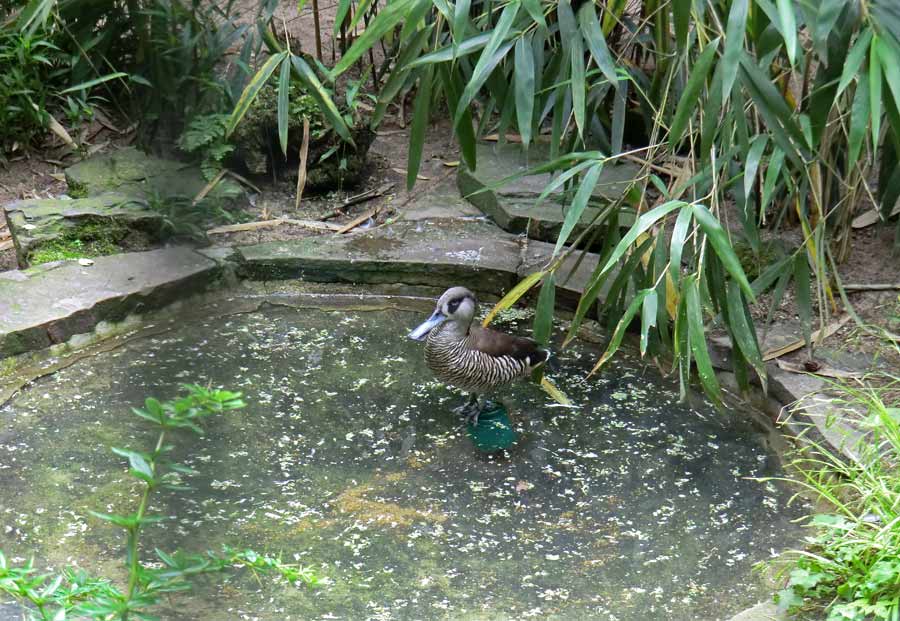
(453,305)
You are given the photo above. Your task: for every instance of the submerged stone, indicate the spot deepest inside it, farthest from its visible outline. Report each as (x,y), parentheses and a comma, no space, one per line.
(514,206)
(46,230)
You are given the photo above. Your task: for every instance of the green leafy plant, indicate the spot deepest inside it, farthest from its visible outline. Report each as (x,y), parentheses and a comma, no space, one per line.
(73,594)
(761,111)
(851,568)
(205,136)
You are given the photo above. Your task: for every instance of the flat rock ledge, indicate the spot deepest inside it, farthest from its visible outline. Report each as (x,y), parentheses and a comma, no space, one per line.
(514,205)
(110,218)
(42,306)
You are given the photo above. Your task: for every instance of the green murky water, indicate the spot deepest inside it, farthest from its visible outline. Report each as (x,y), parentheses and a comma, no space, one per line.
(348,459)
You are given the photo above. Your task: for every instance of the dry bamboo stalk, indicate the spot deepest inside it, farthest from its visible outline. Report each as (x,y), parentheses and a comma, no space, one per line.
(301,171)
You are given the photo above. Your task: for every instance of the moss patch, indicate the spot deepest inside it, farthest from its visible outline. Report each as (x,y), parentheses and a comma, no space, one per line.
(88,240)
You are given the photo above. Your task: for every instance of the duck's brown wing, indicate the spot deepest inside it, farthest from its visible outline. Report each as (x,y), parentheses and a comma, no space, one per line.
(500,344)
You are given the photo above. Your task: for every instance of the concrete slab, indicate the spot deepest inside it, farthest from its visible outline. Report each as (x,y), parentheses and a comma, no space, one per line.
(49,304)
(514,207)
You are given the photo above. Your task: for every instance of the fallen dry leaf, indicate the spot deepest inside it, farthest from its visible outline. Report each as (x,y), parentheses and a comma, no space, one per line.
(823,370)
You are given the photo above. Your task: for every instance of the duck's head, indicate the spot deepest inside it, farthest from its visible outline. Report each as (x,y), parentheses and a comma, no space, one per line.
(457,305)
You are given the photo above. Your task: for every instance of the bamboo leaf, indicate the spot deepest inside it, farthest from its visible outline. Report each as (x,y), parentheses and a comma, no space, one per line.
(543,314)
(621,326)
(284,88)
(752,164)
(493,53)
(315,90)
(721,244)
(788,28)
(620,104)
(687,105)
(648,318)
(889,55)
(641,225)
(681,343)
(524,86)
(593,36)
(252,90)
(92,83)
(343,9)
(854,60)
(676,246)
(391,14)
(579,203)
(513,296)
(859,118)
(536,11)
(682,13)
(465,133)
(804,301)
(399,76)
(579,90)
(773,170)
(734,44)
(875,89)
(421,112)
(697,339)
(743,332)
(461,19)
(453,52)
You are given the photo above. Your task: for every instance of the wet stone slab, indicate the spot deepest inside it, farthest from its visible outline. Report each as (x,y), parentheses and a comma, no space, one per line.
(437,253)
(630,507)
(514,205)
(50,303)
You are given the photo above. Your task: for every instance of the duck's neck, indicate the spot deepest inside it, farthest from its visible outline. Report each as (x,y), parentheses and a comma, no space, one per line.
(454,330)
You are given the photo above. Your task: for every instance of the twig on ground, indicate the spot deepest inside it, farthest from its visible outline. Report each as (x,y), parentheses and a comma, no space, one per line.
(872,287)
(266,224)
(208,188)
(357,221)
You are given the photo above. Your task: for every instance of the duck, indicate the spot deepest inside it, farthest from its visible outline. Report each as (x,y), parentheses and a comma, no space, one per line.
(474,359)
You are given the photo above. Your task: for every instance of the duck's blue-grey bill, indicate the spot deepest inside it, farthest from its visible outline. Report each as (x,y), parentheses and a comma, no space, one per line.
(430,324)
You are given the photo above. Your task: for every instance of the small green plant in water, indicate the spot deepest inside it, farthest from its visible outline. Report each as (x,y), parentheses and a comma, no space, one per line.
(851,568)
(74,594)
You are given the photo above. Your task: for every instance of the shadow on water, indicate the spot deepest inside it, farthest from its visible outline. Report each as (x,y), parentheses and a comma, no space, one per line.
(347,458)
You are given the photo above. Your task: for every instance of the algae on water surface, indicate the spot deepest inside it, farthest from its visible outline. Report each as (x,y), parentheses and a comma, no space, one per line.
(348,459)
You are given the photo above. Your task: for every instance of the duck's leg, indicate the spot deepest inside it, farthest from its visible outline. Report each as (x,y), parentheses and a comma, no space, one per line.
(470,409)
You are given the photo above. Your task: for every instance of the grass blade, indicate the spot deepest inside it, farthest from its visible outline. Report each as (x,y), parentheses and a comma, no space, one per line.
(524,86)
(92,83)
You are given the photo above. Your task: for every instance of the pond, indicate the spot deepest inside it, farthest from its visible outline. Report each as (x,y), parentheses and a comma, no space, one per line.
(348,459)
